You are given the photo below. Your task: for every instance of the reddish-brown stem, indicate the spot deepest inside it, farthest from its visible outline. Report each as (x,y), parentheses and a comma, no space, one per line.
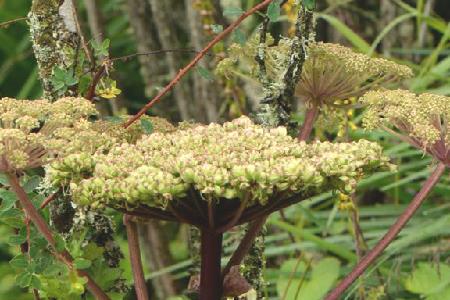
(245,245)
(210,277)
(197,58)
(44,229)
(135,258)
(370,257)
(91,91)
(48,200)
(308,124)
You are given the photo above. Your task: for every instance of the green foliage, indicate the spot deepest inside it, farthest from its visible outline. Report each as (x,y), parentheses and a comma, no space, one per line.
(431,282)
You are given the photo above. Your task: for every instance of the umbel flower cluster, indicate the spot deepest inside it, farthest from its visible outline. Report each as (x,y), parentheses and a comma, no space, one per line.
(33,132)
(333,73)
(422,120)
(237,161)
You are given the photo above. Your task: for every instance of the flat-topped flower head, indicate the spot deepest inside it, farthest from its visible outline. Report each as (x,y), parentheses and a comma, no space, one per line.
(423,120)
(32,132)
(235,164)
(334,73)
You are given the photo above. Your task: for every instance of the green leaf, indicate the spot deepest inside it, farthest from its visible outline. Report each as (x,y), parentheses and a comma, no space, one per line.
(24,279)
(274,10)
(310,4)
(60,243)
(232,11)
(8,199)
(428,279)
(205,73)
(216,28)
(239,37)
(17,239)
(35,282)
(81,263)
(147,125)
(4,179)
(101,49)
(12,217)
(32,183)
(19,262)
(321,277)
(85,82)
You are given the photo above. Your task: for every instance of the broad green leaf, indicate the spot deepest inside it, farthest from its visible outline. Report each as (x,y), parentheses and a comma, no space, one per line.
(274,10)
(24,279)
(31,184)
(314,285)
(429,279)
(8,199)
(12,217)
(310,4)
(19,262)
(239,37)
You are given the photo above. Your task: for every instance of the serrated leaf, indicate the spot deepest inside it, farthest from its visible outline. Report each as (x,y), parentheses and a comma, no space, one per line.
(24,279)
(239,37)
(274,10)
(82,263)
(4,179)
(8,199)
(35,282)
(216,28)
(12,217)
(232,11)
(16,240)
(19,262)
(55,270)
(31,184)
(428,279)
(147,126)
(205,73)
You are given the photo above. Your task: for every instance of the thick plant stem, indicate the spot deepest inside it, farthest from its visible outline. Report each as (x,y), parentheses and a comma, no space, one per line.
(310,118)
(390,235)
(238,255)
(44,229)
(210,277)
(135,258)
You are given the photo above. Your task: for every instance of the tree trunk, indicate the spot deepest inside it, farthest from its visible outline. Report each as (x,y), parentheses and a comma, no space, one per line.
(55,40)
(168,38)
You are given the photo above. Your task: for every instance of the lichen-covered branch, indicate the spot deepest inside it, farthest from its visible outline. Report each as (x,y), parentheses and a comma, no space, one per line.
(55,40)
(275,108)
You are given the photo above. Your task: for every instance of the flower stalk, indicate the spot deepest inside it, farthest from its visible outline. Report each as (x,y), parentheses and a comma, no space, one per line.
(135,258)
(390,235)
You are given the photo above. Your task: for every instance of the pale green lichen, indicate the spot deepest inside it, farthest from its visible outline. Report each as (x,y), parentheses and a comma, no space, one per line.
(237,160)
(424,118)
(54,44)
(333,73)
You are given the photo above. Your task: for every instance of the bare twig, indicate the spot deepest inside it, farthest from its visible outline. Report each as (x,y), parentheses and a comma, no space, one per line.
(48,200)
(44,229)
(91,91)
(7,23)
(194,62)
(86,49)
(135,258)
(390,235)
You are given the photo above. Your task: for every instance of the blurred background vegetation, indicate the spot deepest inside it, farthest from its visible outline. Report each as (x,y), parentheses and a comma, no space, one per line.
(323,248)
